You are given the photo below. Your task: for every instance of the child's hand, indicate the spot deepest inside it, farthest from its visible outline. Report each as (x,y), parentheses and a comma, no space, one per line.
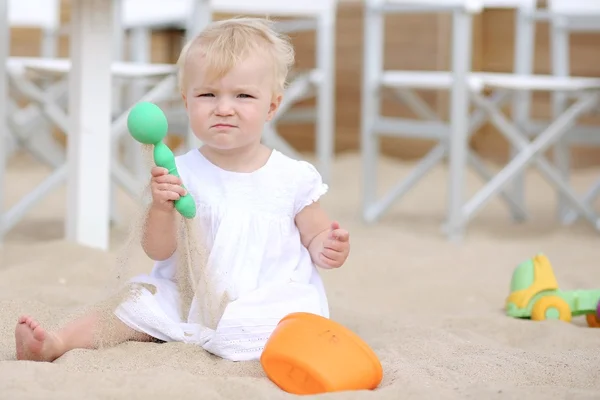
(335,247)
(165,188)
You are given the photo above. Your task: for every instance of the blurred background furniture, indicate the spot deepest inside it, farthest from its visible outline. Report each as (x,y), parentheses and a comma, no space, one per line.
(566,17)
(88,118)
(453,136)
(467,88)
(42,15)
(413,41)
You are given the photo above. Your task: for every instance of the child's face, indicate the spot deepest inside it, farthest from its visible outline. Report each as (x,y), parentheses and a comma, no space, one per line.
(229,113)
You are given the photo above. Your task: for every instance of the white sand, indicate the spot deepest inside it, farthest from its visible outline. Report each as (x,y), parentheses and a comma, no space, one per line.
(430,309)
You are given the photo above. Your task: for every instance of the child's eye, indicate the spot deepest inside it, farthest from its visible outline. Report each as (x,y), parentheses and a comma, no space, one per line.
(206,95)
(245,96)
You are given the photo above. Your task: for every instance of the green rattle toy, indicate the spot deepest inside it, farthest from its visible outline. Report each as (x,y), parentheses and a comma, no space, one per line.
(147,124)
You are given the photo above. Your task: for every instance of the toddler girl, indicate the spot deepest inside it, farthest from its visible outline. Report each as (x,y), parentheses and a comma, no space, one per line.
(258,211)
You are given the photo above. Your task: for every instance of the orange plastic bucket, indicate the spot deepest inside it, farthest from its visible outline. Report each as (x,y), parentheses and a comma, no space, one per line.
(310,354)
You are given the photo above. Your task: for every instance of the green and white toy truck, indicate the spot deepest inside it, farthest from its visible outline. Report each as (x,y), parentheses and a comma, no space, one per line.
(534,294)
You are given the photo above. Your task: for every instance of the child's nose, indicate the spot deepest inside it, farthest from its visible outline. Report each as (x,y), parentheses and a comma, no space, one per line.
(224,107)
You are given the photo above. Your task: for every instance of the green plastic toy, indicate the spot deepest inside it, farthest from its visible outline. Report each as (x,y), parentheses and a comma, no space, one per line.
(148,125)
(534,294)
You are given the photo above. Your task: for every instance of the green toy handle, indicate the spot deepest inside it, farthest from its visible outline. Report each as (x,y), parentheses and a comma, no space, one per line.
(148,125)
(164,157)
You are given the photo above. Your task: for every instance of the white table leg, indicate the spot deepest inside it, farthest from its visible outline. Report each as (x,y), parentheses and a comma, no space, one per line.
(89,144)
(462,28)
(4,52)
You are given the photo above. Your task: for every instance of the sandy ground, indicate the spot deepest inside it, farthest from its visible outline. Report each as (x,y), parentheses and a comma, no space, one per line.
(430,309)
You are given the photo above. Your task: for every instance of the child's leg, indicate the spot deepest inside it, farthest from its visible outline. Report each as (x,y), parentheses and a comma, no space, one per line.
(36,344)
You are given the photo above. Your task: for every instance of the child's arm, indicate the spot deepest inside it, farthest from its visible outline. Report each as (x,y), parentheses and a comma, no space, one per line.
(159,239)
(327,244)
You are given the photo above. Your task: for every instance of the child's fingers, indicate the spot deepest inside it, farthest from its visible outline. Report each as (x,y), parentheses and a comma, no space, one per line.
(331,254)
(158,171)
(328,261)
(335,225)
(180,190)
(340,234)
(334,245)
(167,187)
(172,179)
(169,195)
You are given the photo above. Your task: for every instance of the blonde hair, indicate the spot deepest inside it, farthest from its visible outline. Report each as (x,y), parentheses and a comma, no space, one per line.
(223,44)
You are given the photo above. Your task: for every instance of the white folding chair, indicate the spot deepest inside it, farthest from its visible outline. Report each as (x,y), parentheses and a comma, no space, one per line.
(464,85)
(564,17)
(430,126)
(42,15)
(319,82)
(563,129)
(567,16)
(43,100)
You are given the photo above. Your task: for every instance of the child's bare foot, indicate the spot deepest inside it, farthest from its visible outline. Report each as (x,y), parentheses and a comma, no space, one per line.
(34,343)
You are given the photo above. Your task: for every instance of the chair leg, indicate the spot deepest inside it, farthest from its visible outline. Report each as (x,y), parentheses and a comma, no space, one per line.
(462,36)
(370,108)
(515,206)
(325,123)
(521,106)
(592,194)
(26,126)
(29,201)
(560,67)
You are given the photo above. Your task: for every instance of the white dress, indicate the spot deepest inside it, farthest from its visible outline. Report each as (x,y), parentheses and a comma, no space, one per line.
(254,246)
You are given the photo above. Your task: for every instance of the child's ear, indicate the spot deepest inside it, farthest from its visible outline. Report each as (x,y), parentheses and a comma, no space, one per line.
(274,106)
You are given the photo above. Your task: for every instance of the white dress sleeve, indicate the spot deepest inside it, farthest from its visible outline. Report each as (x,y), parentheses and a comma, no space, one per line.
(310,186)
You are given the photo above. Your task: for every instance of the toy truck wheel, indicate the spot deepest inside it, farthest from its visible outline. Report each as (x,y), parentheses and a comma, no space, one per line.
(592,320)
(551,307)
